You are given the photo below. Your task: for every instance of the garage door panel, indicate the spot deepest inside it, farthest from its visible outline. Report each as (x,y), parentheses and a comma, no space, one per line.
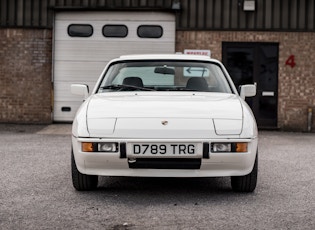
(115,16)
(62,27)
(79,72)
(75,51)
(66,110)
(82,59)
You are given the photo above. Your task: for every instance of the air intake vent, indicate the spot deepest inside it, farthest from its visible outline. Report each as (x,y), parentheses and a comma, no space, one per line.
(165,163)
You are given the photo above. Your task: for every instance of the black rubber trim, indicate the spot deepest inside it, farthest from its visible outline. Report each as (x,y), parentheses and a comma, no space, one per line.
(205,151)
(166,163)
(123,152)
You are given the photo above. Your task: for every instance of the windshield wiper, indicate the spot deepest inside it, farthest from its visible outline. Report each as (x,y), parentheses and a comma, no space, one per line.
(119,87)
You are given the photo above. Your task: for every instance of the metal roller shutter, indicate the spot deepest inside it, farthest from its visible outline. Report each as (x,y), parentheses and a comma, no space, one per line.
(79,59)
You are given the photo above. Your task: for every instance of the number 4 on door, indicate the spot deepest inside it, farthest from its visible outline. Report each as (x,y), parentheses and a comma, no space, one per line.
(290,61)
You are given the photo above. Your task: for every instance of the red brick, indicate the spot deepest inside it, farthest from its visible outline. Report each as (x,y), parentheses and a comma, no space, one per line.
(25,74)
(296,86)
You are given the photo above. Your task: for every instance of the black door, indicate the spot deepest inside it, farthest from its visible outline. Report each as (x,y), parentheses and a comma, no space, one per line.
(256,63)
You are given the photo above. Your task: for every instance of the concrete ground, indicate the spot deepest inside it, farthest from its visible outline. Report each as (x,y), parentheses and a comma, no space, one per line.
(36,191)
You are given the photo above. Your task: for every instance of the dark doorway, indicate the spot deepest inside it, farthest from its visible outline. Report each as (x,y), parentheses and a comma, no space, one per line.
(256,63)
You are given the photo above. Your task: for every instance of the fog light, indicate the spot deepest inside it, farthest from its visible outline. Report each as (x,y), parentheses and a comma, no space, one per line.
(107,147)
(221,147)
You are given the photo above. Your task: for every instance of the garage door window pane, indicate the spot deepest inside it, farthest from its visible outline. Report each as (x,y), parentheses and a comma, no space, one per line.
(150,31)
(115,31)
(80,30)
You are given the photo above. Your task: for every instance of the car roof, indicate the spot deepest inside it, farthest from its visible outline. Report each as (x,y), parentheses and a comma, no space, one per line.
(164,57)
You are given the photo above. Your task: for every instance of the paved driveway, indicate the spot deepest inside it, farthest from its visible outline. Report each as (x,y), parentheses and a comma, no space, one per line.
(36,190)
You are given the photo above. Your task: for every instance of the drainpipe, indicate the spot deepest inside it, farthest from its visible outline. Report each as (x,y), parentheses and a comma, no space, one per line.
(309,119)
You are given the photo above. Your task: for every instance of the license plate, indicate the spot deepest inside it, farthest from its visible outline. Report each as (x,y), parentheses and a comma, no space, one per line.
(163,149)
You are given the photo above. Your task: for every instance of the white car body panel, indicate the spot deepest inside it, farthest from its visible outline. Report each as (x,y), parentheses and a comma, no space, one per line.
(138,116)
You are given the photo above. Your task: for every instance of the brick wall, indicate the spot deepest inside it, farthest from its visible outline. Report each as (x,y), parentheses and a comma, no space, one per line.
(25,75)
(296,86)
(26,71)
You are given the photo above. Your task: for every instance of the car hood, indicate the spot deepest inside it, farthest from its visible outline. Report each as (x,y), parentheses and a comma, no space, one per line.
(134,114)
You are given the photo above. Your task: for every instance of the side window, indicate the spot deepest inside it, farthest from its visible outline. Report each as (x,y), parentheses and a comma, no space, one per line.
(115,31)
(150,31)
(80,30)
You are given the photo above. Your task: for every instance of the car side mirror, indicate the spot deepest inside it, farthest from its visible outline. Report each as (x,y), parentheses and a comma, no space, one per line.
(80,89)
(248,91)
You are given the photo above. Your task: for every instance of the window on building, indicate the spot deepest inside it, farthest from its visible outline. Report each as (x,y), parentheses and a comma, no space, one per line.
(150,31)
(80,30)
(115,31)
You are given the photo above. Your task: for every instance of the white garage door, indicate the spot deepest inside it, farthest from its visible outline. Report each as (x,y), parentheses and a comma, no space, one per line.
(85,41)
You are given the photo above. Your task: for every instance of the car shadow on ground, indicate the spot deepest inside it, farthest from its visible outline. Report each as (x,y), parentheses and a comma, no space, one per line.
(166,191)
(135,185)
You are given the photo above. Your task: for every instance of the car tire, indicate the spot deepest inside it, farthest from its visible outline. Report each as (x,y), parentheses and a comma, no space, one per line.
(82,182)
(248,182)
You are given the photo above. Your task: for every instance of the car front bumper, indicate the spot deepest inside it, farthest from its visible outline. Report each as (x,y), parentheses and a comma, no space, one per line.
(120,164)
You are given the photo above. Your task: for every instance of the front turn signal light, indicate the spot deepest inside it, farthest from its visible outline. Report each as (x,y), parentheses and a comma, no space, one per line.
(87,147)
(241,147)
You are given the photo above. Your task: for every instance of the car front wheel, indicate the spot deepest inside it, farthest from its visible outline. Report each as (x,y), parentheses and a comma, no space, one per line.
(248,182)
(82,182)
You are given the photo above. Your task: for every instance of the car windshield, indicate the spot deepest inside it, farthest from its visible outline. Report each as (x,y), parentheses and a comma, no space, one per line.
(164,76)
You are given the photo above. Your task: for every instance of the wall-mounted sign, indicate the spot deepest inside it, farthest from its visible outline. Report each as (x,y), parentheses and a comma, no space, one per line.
(198,52)
(249,5)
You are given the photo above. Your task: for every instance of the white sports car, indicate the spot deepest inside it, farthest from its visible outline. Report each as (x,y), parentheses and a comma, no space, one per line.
(164,116)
